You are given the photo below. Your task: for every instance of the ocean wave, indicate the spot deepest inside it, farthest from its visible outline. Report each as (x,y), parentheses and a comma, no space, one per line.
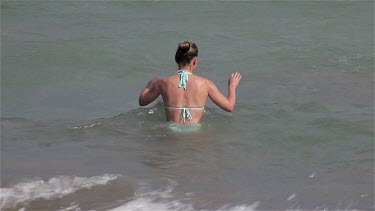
(151,119)
(164,199)
(21,194)
(146,204)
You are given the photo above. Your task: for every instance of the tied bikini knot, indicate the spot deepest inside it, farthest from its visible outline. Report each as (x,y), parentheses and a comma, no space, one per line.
(184,77)
(186,114)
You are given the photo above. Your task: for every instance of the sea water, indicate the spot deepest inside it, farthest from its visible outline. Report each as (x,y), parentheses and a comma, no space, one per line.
(74,138)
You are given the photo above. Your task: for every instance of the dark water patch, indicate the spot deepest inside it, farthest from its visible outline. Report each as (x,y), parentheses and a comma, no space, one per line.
(311,107)
(342,126)
(23,134)
(14,119)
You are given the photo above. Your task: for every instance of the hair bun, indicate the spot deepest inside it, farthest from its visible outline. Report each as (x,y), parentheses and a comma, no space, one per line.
(184,46)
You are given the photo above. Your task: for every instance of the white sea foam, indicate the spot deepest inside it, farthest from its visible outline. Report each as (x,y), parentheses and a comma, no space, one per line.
(161,199)
(23,193)
(292,196)
(146,200)
(74,207)
(87,126)
(147,204)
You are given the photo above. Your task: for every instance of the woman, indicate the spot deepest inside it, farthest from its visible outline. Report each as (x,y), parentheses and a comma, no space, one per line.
(185,94)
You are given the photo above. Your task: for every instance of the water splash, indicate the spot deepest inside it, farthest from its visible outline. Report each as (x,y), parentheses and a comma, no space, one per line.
(23,193)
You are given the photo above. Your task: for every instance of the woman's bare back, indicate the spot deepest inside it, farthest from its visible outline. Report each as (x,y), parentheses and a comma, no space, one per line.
(176,98)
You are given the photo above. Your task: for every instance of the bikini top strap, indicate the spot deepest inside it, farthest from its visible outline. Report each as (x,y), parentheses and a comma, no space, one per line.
(184,77)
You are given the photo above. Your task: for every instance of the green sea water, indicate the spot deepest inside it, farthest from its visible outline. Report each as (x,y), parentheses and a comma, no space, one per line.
(74,138)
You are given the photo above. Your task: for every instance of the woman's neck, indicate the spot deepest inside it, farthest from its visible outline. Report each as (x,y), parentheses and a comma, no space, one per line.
(187,68)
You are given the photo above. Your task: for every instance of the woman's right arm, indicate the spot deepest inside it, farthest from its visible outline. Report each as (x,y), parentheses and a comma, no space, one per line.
(150,92)
(226,103)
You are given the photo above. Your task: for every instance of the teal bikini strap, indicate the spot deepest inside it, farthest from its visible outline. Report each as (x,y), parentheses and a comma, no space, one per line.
(186,114)
(184,77)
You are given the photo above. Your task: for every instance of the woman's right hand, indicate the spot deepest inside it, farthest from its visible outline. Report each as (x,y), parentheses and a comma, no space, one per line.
(234,79)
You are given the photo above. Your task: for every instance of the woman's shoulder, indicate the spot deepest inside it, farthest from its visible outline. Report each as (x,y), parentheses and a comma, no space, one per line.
(200,77)
(203,79)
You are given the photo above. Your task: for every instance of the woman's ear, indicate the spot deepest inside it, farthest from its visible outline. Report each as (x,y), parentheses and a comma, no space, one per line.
(195,61)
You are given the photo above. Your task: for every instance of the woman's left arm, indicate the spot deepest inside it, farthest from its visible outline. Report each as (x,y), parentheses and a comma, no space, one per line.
(150,92)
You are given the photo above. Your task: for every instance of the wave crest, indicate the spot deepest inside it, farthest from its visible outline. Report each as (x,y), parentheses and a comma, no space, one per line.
(23,193)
